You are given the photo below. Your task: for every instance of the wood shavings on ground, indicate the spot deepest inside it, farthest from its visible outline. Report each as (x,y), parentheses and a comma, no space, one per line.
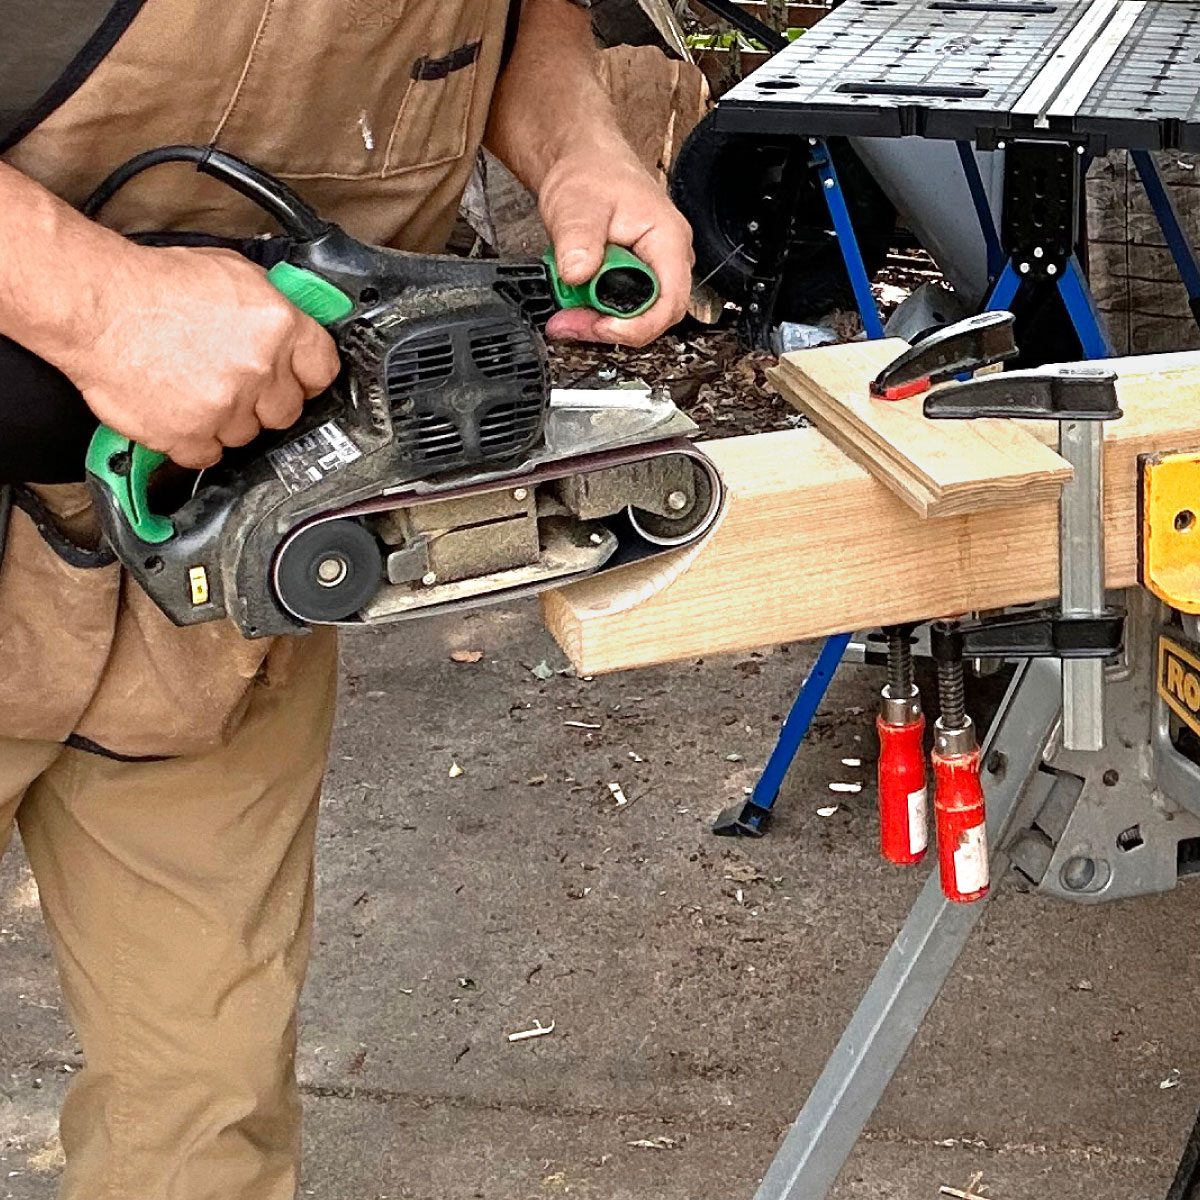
(710,375)
(466,656)
(661,1142)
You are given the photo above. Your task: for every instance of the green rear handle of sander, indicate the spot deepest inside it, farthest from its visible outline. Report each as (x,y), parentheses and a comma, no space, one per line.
(624,287)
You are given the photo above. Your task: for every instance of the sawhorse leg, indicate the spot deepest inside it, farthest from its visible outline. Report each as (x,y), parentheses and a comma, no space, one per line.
(749,817)
(843,226)
(1168,222)
(983,208)
(922,956)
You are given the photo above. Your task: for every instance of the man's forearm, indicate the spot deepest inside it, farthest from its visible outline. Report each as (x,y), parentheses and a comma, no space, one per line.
(550,100)
(55,267)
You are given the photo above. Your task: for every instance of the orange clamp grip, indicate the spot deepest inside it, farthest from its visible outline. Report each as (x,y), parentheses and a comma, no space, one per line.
(961,827)
(903,804)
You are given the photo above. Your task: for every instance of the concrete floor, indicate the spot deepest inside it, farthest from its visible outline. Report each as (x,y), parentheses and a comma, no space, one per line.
(696,985)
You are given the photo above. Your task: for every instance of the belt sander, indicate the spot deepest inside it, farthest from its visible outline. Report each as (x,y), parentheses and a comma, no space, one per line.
(439,471)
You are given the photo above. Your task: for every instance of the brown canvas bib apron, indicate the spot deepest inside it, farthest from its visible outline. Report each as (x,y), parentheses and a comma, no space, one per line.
(373,111)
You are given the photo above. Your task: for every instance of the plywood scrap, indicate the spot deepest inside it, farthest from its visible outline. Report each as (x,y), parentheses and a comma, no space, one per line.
(938,468)
(812,544)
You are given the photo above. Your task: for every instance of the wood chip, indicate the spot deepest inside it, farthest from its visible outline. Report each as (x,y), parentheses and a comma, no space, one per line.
(466,656)
(538,1030)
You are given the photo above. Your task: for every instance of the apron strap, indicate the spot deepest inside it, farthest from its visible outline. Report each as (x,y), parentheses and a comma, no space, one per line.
(53,59)
(510,31)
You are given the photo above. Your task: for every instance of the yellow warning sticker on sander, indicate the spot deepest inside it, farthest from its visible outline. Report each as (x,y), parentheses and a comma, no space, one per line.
(1179,681)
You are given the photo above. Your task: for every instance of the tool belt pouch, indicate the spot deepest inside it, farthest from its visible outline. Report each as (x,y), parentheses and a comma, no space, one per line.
(58,606)
(89,656)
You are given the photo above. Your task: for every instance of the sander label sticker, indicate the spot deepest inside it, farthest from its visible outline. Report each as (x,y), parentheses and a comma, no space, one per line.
(1179,681)
(312,457)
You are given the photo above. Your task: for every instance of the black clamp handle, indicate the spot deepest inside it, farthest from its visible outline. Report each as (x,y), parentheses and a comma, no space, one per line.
(1072,392)
(979,341)
(1044,633)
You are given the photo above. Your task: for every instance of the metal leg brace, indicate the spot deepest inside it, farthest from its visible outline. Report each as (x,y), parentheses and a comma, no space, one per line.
(1076,295)
(843,226)
(925,951)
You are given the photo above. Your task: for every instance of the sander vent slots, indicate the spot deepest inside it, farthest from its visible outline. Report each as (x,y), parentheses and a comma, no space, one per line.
(472,391)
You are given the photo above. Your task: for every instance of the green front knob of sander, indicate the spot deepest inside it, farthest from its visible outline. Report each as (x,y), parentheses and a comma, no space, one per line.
(624,287)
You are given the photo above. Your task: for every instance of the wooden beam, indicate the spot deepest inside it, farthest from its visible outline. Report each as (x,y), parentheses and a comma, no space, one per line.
(811,544)
(938,468)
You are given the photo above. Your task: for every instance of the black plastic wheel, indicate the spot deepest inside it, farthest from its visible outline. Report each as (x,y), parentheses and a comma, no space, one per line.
(329,571)
(718,182)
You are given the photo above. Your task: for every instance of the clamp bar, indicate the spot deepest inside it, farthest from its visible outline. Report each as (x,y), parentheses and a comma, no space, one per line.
(1080,397)
(1081,584)
(919,962)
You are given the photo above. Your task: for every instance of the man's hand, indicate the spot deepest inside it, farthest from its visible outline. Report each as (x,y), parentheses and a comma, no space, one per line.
(590,199)
(195,352)
(553,125)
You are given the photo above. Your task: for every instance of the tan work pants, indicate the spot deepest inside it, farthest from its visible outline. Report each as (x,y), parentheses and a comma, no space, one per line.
(178,896)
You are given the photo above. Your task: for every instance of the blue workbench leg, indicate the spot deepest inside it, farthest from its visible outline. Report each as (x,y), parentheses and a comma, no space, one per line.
(843,226)
(1077,296)
(1168,222)
(1004,290)
(983,209)
(748,816)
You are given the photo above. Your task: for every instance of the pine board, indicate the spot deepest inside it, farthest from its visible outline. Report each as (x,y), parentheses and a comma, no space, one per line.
(938,468)
(812,544)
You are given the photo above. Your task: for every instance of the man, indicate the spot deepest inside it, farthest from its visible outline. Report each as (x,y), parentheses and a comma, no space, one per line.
(165,780)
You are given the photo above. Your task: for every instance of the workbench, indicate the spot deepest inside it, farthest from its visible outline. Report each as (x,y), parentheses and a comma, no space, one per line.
(812,544)
(1051,83)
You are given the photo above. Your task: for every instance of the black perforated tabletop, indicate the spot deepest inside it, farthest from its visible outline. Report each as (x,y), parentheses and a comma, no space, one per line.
(1106,73)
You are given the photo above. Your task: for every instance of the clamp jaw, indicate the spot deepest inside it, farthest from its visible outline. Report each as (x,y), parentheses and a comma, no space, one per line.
(959,349)
(1080,397)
